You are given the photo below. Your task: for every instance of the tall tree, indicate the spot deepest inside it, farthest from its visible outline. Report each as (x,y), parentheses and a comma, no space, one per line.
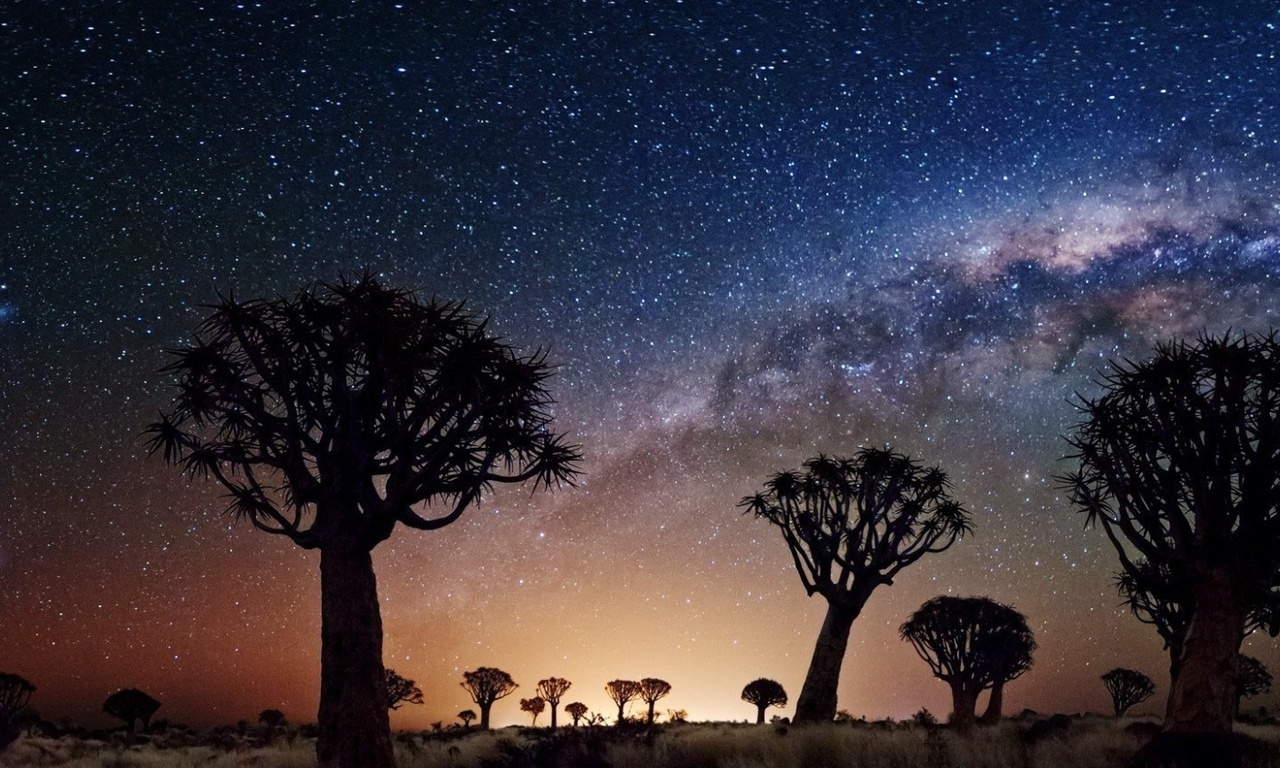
(852,524)
(623,692)
(652,689)
(576,710)
(1127,688)
(131,705)
(764,693)
(486,685)
(965,640)
(553,689)
(1179,462)
(401,690)
(533,706)
(330,418)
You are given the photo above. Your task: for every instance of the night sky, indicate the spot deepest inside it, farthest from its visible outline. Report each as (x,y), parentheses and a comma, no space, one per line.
(747,231)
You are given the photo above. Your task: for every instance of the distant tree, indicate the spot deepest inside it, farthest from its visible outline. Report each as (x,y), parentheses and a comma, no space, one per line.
(272,718)
(764,693)
(677,716)
(553,689)
(466,716)
(330,418)
(486,685)
(401,690)
(15,693)
(1179,461)
(577,710)
(623,692)
(964,641)
(131,705)
(652,689)
(533,706)
(1252,679)
(852,524)
(1127,688)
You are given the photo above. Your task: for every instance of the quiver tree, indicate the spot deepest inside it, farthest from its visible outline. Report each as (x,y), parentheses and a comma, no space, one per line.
(401,690)
(577,710)
(1127,688)
(1014,647)
(553,689)
(466,716)
(486,685)
(652,689)
(1179,463)
(965,641)
(131,705)
(852,524)
(330,418)
(1252,679)
(764,693)
(15,693)
(623,692)
(533,706)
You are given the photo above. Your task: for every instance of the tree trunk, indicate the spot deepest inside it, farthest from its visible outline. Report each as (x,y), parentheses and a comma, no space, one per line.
(964,701)
(1203,696)
(655,701)
(354,730)
(817,702)
(484,715)
(1175,665)
(621,716)
(995,705)
(760,713)
(554,707)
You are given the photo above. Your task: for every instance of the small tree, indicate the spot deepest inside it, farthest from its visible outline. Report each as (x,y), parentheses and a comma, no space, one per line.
(131,705)
(553,689)
(1127,688)
(486,685)
(15,692)
(401,690)
(533,706)
(964,641)
(652,689)
(1252,679)
(764,693)
(852,524)
(577,710)
(622,692)
(331,418)
(466,716)
(1179,462)
(271,718)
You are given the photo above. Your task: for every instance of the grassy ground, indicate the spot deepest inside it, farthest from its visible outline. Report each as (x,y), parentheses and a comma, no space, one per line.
(1077,743)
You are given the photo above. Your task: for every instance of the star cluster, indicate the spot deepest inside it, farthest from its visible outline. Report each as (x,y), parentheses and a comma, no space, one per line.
(748,232)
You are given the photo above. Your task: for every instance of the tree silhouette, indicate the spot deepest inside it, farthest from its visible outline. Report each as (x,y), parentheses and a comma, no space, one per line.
(764,693)
(622,692)
(553,689)
(1015,646)
(1180,464)
(330,418)
(486,685)
(533,706)
(966,642)
(271,718)
(1127,687)
(466,716)
(15,692)
(1252,679)
(852,524)
(577,710)
(652,689)
(401,690)
(130,705)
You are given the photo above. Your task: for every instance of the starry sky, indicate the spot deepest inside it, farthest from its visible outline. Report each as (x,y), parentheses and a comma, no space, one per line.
(748,232)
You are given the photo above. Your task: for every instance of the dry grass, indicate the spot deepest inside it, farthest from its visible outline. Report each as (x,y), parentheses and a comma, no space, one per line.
(1083,743)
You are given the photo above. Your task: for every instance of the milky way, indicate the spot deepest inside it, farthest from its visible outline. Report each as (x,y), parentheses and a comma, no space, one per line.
(747,232)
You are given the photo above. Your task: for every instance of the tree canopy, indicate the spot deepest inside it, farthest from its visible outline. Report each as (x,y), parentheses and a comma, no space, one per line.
(764,693)
(1127,687)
